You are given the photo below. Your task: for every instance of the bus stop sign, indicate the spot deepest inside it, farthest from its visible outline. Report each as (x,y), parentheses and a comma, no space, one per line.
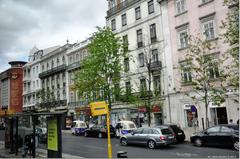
(193,109)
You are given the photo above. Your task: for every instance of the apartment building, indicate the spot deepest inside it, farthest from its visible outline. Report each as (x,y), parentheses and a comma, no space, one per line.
(78,107)
(53,79)
(31,82)
(200,18)
(142,25)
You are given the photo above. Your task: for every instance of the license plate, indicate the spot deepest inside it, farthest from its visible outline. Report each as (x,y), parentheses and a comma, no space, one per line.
(170,137)
(179,133)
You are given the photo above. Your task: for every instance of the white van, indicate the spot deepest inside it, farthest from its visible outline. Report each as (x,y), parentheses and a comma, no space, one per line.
(78,127)
(124,127)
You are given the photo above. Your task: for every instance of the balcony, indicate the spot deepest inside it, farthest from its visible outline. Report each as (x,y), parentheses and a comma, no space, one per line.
(78,103)
(73,66)
(52,71)
(121,6)
(156,65)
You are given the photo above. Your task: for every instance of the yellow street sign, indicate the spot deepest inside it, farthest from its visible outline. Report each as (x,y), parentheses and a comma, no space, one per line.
(99,108)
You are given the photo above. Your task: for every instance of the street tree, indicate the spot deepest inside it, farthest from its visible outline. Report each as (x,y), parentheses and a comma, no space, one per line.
(100,70)
(147,65)
(206,78)
(230,27)
(46,100)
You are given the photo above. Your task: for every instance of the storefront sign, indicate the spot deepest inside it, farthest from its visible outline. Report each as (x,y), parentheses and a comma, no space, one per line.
(142,109)
(99,108)
(52,135)
(156,108)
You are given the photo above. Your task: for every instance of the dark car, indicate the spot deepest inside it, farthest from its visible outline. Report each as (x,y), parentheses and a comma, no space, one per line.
(99,131)
(151,137)
(225,135)
(179,133)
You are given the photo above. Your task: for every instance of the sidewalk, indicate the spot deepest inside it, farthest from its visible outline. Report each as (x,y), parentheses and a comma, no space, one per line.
(40,153)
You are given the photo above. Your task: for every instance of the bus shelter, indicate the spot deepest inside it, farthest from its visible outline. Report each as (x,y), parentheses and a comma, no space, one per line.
(22,125)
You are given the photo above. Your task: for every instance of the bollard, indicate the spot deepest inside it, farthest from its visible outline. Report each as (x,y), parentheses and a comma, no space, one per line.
(122,154)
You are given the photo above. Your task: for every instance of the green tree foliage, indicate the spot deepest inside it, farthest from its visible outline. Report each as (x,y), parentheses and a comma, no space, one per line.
(207,78)
(101,69)
(47,100)
(230,26)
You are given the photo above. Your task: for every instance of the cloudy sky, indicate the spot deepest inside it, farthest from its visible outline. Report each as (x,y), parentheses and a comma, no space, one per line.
(45,23)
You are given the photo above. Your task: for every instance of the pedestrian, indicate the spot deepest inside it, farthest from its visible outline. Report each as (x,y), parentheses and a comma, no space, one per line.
(238,122)
(230,121)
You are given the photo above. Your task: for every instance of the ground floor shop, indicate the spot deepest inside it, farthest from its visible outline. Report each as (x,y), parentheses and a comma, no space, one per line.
(190,115)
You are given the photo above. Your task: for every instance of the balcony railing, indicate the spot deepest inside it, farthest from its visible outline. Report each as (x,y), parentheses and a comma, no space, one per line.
(156,65)
(78,103)
(73,66)
(53,71)
(121,6)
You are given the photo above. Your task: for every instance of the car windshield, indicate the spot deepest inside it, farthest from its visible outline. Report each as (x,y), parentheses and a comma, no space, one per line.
(131,125)
(234,127)
(82,125)
(166,131)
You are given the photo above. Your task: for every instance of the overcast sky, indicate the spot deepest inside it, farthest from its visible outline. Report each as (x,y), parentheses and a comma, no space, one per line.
(45,23)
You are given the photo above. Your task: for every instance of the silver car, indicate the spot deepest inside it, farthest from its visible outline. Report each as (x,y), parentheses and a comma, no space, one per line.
(151,137)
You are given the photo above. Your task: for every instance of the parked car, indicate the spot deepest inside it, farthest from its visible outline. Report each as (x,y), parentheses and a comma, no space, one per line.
(151,137)
(78,127)
(42,134)
(99,131)
(226,135)
(124,127)
(179,133)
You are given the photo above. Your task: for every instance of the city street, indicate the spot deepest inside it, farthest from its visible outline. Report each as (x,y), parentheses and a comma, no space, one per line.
(94,147)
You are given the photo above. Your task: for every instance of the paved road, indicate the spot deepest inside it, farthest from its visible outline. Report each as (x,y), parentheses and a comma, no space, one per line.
(94,147)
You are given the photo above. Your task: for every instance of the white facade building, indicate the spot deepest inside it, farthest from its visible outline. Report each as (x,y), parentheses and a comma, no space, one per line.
(31,81)
(143,26)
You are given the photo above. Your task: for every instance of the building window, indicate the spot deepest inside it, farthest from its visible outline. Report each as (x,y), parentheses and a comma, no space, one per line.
(138,13)
(208,30)
(126,64)
(156,85)
(155,56)
(113,24)
(124,19)
(63,60)
(186,73)
(150,7)
(125,43)
(77,57)
(52,64)
(183,38)
(180,6)
(143,87)
(128,88)
(141,60)
(139,38)
(153,34)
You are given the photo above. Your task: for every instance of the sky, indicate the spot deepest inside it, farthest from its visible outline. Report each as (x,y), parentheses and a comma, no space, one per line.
(45,23)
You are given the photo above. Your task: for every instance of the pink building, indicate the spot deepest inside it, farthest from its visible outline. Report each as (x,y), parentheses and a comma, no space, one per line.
(200,18)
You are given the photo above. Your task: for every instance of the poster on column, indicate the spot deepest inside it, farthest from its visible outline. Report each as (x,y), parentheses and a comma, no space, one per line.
(52,142)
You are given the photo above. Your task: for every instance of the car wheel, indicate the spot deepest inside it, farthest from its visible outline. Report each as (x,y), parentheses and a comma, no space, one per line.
(236,145)
(151,144)
(100,135)
(123,142)
(198,142)
(85,134)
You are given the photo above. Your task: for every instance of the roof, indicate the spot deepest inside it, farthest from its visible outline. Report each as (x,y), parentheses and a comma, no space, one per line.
(50,49)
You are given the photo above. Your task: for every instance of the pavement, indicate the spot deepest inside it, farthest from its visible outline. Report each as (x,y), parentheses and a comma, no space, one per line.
(40,153)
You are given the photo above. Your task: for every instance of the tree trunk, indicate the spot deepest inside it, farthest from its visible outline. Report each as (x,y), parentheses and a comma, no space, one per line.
(206,106)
